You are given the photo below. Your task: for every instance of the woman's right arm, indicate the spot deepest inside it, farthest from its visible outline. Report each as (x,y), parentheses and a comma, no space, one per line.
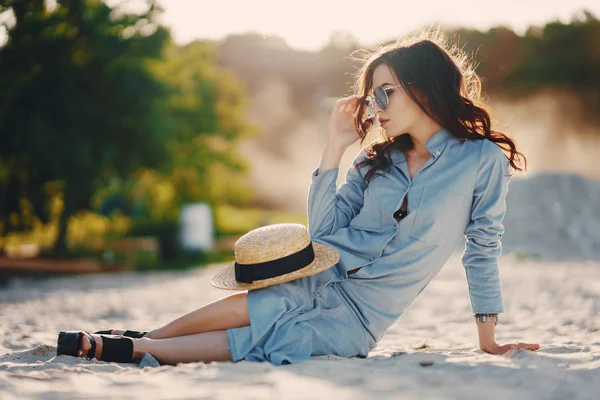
(330,209)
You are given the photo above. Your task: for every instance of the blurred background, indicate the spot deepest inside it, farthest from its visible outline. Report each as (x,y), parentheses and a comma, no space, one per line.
(152,134)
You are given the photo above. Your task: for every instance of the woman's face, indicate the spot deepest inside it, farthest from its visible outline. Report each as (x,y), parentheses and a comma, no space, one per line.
(402,113)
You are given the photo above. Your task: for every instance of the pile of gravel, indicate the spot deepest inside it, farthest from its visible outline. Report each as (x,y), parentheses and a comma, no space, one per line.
(553,216)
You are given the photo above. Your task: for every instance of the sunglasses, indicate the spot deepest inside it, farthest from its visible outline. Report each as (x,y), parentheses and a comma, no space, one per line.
(381,98)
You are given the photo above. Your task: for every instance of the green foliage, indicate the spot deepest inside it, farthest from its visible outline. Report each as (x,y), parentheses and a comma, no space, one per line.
(232,220)
(558,55)
(166,231)
(204,115)
(77,104)
(100,111)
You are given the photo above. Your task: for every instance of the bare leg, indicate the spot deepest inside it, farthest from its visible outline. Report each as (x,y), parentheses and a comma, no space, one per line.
(205,347)
(228,312)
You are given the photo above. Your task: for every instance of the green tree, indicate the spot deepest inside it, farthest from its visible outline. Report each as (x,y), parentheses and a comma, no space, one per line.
(561,55)
(77,104)
(204,117)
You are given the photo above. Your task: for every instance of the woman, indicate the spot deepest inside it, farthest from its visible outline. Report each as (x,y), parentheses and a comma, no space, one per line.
(439,174)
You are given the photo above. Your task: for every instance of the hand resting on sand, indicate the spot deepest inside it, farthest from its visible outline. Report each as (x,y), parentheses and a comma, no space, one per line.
(501,349)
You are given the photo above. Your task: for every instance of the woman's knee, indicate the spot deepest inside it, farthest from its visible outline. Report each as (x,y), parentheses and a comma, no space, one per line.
(240,307)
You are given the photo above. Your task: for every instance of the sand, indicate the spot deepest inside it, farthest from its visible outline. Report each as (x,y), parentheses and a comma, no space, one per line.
(553,217)
(554,304)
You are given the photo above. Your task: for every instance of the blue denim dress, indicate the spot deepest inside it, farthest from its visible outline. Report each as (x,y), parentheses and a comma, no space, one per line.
(459,192)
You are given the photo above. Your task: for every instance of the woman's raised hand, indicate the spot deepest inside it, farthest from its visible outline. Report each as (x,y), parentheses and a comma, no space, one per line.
(342,132)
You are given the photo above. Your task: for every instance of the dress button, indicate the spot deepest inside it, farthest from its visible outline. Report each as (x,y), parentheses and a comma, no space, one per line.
(372,258)
(437,153)
(395,227)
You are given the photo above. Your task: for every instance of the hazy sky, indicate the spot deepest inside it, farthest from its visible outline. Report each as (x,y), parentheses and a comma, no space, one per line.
(307,24)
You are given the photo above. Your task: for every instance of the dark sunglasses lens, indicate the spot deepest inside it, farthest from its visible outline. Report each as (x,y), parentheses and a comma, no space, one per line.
(381,97)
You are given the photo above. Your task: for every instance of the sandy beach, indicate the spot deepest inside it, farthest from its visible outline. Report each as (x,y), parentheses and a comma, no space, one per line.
(554,304)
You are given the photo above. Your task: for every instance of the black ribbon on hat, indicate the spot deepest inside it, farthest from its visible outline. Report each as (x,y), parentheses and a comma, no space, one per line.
(247,273)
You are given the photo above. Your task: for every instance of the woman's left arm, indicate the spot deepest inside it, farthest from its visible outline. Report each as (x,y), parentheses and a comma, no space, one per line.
(483,247)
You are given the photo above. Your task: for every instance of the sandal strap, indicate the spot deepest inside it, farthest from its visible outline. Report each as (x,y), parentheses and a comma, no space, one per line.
(69,343)
(128,333)
(92,351)
(134,334)
(118,349)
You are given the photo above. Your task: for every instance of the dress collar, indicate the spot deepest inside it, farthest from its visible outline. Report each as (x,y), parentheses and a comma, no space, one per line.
(435,145)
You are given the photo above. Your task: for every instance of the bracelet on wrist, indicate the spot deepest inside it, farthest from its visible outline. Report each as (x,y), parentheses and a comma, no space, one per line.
(487,317)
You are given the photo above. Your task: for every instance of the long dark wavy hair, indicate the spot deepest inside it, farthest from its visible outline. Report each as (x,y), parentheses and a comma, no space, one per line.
(427,66)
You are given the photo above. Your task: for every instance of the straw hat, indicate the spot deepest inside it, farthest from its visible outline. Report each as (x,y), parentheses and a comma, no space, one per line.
(274,254)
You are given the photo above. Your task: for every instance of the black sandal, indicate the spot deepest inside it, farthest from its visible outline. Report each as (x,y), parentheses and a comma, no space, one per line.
(128,333)
(118,349)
